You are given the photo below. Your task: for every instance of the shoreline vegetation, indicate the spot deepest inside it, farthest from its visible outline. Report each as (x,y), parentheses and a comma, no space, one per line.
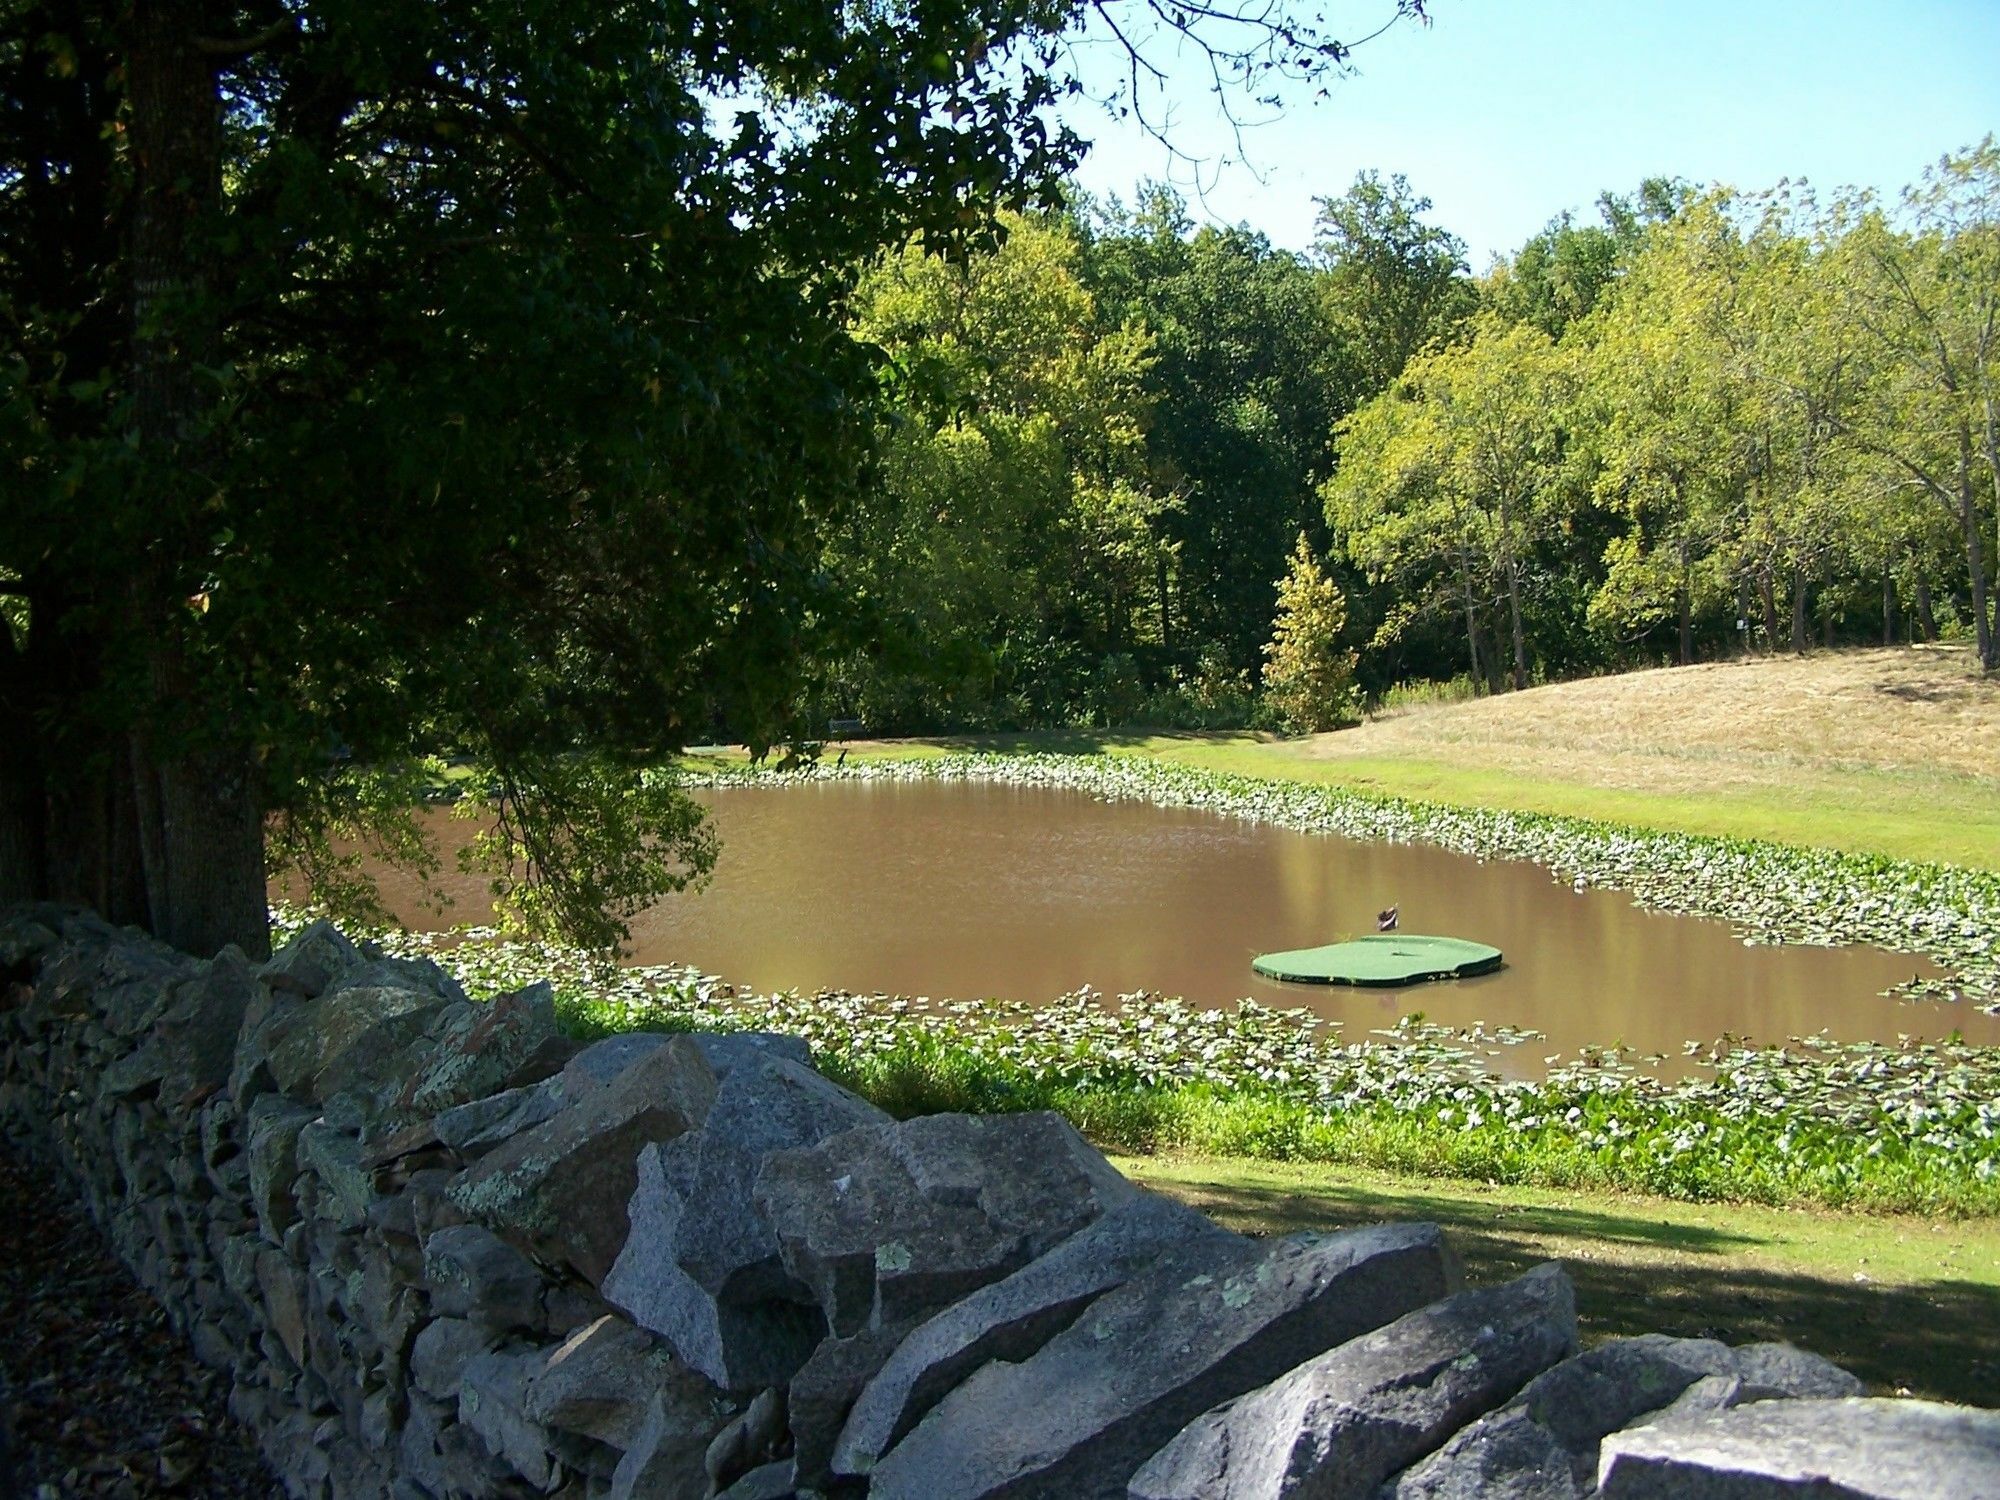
(1905,1127)
(1768,892)
(1891,751)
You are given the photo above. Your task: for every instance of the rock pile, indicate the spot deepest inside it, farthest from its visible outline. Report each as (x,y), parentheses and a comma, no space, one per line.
(442,1251)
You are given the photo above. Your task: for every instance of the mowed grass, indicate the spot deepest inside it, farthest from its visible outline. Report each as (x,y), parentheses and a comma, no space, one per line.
(1893,752)
(1908,1304)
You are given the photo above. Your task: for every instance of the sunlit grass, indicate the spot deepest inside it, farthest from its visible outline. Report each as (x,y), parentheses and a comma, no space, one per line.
(1909,1304)
(1894,813)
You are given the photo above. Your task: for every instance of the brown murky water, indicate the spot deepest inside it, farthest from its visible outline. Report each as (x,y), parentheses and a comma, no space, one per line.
(975,891)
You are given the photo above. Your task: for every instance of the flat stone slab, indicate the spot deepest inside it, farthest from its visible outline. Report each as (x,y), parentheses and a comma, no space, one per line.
(474,1129)
(1209,1322)
(561,1187)
(1543,1445)
(317,954)
(472,1273)
(891,1223)
(1338,1425)
(1385,959)
(766,1482)
(481,1047)
(351,1035)
(603,1380)
(701,1266)
(1011,1320)
(1854,1449)
(765,1103)
(823,1393)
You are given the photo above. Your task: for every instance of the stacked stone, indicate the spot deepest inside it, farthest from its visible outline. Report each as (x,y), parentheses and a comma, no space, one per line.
(442,1251)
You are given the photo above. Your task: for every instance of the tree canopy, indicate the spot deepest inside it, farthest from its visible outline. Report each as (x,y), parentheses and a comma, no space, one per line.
(476,378)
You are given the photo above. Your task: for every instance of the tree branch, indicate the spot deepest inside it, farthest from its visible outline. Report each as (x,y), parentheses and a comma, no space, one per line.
(233,49)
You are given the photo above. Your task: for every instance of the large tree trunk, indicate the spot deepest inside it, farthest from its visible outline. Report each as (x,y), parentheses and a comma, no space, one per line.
(67,829)
(1799,610)
(1889,600)
(92,847)
(194,791)
(201,836)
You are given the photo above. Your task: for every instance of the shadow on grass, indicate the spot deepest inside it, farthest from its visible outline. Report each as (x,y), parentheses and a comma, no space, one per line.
(1939,1339)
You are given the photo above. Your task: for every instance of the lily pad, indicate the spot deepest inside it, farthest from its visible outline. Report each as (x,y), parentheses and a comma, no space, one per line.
(1386,959)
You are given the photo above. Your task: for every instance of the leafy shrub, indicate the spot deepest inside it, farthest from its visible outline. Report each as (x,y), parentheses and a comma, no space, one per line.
(1309,678)
(1403,696)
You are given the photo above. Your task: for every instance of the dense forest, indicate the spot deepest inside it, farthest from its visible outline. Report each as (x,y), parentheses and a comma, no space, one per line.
(1706,424)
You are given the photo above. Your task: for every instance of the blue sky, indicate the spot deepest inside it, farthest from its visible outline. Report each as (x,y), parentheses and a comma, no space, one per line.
(1505,112)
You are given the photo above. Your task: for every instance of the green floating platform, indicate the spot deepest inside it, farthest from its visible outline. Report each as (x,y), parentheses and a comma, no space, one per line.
(1389,958)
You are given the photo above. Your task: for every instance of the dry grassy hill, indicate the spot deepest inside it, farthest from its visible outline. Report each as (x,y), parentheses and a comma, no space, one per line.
(1889,751)
(1692,729)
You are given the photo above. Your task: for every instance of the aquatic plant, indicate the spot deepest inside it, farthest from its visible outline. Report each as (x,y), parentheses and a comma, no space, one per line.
(1770,893)
(1904,1126)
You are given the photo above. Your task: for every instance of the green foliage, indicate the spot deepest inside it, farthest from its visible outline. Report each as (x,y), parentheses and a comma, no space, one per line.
(1450,478)
(1925,299)
(1210,695)
(1740,421)
(1900,1128)
(1249,380)
(583,843)
(1558,277)
(348,817)
(1016,503)
(1309,678)
(1395,285)
(491,393)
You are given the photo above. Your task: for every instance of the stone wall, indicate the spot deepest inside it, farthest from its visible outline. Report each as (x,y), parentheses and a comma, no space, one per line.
(443,1251)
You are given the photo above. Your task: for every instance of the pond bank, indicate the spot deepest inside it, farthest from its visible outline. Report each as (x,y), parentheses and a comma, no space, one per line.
(1878,752)
(1898,1127)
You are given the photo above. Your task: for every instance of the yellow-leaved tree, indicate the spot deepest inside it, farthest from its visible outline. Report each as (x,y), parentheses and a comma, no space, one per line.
(1309,674)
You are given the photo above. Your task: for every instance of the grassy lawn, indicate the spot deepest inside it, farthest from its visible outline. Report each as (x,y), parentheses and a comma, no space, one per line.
(1893,752)
(1908,1304)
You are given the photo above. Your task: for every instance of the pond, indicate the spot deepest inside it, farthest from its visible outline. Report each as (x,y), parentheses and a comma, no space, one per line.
(970,891)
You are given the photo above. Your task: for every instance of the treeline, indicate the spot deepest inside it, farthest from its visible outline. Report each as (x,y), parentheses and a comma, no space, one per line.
(1707,423)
